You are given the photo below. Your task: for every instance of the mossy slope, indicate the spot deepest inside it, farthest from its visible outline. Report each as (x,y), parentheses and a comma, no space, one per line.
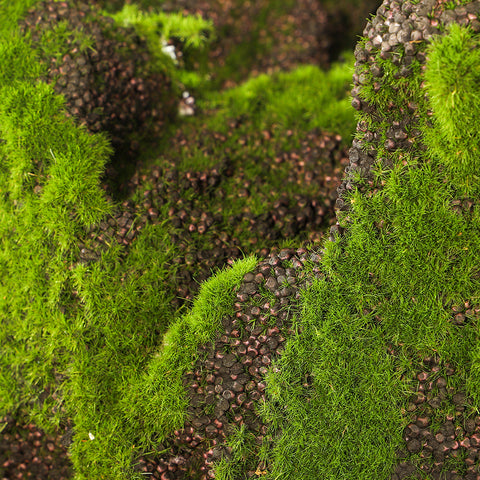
(75,337)
(392,284)
(81,341)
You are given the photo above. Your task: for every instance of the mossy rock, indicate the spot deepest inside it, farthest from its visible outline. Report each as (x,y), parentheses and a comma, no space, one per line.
(389,337)
(107,74)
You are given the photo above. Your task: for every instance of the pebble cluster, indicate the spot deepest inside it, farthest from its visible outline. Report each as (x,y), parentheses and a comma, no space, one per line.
(399,32)
(108,86)
(31,453)
(227,383)
(188,194)
(434,441)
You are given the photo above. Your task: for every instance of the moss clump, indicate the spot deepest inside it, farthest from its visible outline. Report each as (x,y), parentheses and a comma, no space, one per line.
(339,399)
(108,76)
(452,84)
(293,100)
(184,39)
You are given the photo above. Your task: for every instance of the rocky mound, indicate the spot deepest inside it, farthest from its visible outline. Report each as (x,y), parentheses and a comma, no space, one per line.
(226,384)
(104,72)
(392,51)
(398,35)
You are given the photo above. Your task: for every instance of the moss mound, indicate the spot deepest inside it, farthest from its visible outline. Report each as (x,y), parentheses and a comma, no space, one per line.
(105,73)
(388,338)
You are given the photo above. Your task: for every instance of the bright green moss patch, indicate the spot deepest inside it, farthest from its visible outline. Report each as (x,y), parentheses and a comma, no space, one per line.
(121,387)
(41,217)
(337,402)
(10,13)
(305,98)
(50,166)
(452,84)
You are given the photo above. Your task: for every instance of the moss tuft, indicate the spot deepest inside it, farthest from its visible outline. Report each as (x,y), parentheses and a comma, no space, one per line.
(452,79)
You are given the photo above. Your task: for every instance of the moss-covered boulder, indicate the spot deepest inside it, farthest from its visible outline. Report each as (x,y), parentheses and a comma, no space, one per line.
(389,337)
(390,56)
(109,78)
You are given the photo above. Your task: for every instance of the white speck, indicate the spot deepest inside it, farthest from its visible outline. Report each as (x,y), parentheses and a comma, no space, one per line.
(91,436)
(185,110)
(169,50)
(185,94)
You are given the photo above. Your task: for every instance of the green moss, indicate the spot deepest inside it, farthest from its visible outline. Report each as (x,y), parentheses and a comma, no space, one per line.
(389,285)
(122,388)
(10,14)
(242,444)
(452,84)
(193,33)
(305,98)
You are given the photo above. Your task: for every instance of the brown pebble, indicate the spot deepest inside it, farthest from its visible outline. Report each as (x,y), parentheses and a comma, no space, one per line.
(271,284)
(441,382)
(459,399)
(423,422)
(422,376)
(414,446)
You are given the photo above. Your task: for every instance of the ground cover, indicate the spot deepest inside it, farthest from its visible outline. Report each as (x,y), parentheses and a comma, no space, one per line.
(73,319)
(400,292)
